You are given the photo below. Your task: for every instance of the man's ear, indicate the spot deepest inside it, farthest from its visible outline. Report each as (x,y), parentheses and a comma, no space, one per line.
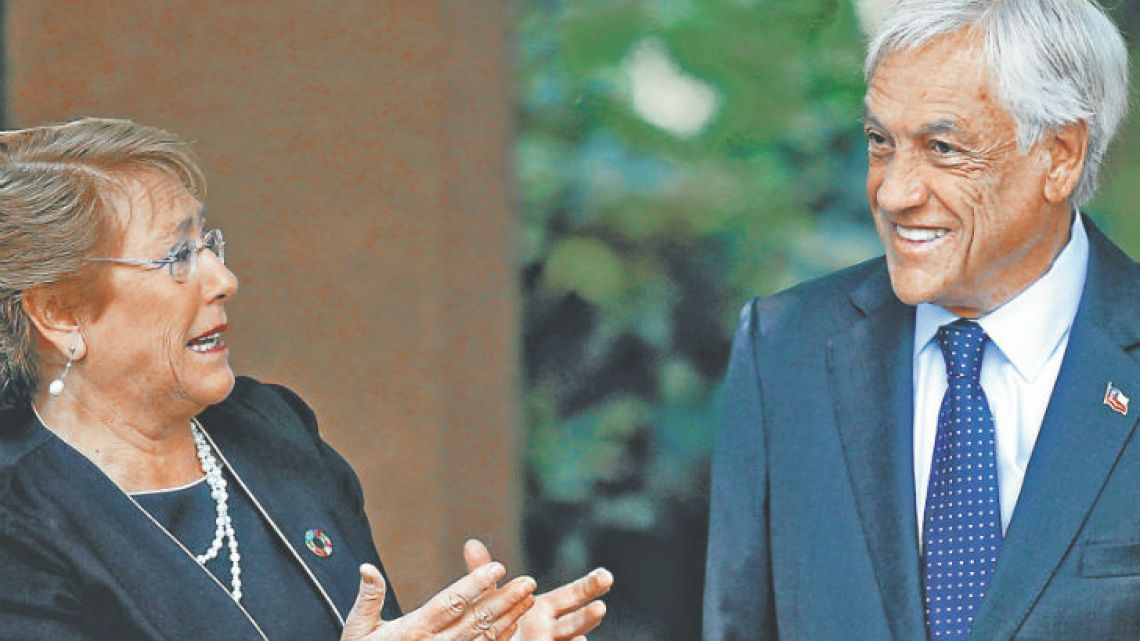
(1068,150)
(57,324)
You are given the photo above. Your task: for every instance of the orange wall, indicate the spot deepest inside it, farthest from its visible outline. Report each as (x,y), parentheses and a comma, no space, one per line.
(358,157)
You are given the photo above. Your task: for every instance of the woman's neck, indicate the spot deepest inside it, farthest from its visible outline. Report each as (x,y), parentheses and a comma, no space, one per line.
(138,450)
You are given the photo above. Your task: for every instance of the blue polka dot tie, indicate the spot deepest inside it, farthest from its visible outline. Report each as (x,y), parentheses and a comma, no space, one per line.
(961,529)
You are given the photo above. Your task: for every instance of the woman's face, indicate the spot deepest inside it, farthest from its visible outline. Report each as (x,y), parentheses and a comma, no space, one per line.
(151,345)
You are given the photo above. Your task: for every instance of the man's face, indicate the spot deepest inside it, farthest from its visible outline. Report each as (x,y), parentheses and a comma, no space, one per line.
(960,211)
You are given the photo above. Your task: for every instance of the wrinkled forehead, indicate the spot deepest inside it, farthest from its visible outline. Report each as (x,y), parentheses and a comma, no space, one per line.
(943,85)
(955,59)
(152,204)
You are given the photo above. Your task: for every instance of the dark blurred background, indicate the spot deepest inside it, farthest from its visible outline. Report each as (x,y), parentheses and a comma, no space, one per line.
(501,246)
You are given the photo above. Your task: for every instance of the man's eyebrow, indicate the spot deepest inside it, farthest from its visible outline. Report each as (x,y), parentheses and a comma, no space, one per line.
(938,127)
(870,119)
(943,126)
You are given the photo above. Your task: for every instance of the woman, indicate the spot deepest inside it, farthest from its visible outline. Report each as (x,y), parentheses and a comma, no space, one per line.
(144,494)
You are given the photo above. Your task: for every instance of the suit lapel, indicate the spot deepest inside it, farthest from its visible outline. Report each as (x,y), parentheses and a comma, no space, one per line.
(1078,445)
(869,364)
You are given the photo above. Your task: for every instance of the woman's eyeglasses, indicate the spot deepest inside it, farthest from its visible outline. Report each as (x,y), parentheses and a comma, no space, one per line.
(182,261)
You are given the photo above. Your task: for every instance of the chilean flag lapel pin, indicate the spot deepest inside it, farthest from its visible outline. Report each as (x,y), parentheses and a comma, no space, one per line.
(1115,399)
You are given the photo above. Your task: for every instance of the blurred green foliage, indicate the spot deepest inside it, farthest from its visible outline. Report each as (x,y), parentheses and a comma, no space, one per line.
(640,244)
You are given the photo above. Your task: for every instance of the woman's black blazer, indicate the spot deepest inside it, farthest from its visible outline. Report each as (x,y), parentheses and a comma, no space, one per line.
(80,561)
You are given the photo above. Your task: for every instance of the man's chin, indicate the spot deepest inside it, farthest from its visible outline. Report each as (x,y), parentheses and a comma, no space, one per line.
(912,295)
(911,298)
(913,286)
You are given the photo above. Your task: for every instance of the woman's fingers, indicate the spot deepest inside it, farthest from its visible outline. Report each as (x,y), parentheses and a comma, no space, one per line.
(475,554)
(580,622)
(486,621)
(486,625)
(458,600)
(469,609)
(487,618)
(577,594)
(365,614)
(567,612)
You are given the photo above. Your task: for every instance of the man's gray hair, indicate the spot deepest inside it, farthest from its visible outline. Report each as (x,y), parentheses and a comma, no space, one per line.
(1052,62)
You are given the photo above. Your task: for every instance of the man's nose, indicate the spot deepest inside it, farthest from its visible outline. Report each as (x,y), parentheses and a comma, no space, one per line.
(903,187)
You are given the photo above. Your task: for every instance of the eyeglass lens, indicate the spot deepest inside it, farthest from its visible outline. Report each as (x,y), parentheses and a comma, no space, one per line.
(186,264)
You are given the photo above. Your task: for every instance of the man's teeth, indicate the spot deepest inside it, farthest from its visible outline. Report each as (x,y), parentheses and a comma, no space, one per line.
(919,234)
(206,343)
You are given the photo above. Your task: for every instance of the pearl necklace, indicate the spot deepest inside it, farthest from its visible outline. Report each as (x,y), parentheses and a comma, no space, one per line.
(224,533)
(225,525)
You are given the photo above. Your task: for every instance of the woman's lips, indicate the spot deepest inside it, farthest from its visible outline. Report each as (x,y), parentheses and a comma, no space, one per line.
(208,342)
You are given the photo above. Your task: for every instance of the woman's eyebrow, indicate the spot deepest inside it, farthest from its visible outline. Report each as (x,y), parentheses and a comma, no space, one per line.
(185,225)
(198,218)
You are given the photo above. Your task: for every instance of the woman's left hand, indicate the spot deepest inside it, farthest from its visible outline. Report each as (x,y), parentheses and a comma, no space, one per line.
(565,613)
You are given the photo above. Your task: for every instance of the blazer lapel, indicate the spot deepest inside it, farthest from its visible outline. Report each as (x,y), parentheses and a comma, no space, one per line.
(145,559)
(869,364)
(1078,445)
(292,508)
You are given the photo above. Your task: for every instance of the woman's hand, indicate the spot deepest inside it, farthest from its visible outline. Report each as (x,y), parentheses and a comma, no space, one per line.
(566,613)
(472,608)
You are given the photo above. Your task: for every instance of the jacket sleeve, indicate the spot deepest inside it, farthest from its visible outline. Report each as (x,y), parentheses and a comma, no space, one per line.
(739,602)
(38,600)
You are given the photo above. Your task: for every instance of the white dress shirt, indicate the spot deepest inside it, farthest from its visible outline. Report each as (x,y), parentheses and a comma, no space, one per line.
(1028,337)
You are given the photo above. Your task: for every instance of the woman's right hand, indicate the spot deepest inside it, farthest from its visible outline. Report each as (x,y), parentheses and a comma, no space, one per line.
(470,609)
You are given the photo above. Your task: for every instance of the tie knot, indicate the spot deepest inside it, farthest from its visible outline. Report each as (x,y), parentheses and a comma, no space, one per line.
(962,343)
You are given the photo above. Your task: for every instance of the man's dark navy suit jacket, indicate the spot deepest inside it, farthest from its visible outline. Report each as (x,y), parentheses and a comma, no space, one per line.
(813,531)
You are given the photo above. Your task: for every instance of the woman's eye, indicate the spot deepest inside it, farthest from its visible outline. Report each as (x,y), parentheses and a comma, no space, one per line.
(181,253)
(876,138)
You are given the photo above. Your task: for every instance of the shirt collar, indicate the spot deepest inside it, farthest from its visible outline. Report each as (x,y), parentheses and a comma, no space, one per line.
(1029,327)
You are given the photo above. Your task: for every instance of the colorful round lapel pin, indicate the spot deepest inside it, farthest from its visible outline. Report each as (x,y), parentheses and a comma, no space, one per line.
(318,543)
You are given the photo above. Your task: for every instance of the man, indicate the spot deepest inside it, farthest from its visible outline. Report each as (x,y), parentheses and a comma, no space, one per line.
(938,444)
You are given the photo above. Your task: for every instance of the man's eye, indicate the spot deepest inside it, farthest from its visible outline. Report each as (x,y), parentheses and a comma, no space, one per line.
(941,148)
(876,138)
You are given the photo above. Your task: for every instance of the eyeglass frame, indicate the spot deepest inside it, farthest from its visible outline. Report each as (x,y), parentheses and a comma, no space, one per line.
(210,237)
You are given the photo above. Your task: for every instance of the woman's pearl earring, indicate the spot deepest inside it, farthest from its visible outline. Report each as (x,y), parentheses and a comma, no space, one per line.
(56,387)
